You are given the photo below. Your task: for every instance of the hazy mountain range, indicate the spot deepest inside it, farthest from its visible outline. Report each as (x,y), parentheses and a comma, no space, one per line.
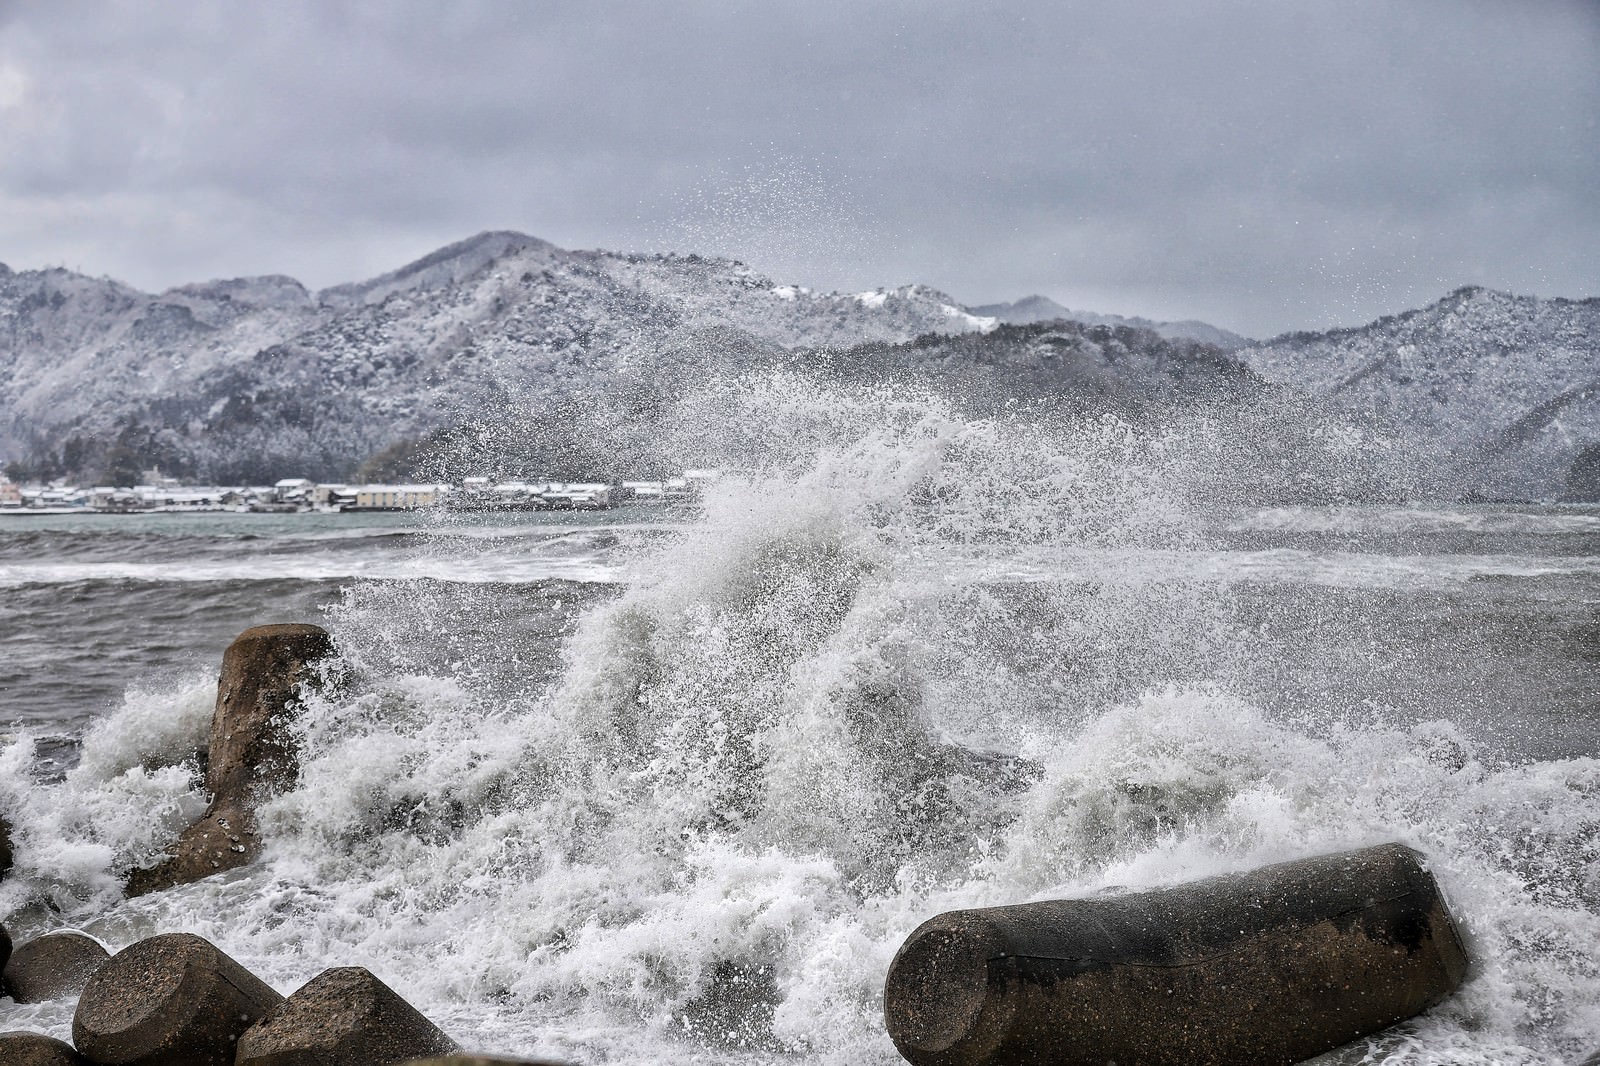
(1506,388)
(1032,309)
(235,380)
(252,379)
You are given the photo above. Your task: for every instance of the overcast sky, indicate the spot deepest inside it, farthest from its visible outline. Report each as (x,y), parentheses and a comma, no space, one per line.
(1260,165)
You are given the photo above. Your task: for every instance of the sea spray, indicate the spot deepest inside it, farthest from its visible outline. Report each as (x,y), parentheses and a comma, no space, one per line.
(903,661)
(775,687)
(137,781)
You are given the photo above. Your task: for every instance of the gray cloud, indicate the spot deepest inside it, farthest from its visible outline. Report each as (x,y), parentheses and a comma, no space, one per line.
(1264,165)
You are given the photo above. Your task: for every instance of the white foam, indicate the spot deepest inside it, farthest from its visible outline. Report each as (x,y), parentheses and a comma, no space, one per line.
(1401,519)
(1297,566)
(135,786)
(809,722)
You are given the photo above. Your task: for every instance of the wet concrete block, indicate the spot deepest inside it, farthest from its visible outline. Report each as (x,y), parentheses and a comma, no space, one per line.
(251,753)
(1270,967)
(256,694)
(36,1049)
(5,947)
(53,966)
(223,839)
(342,1017)
(171,1000)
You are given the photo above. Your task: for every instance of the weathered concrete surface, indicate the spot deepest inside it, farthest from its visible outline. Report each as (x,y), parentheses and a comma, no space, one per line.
(1270,967)
(171,1000)
(252,753)
(5,947)
(53,966)
(36,1049)
(342,1017)
(261,671)
(224,838)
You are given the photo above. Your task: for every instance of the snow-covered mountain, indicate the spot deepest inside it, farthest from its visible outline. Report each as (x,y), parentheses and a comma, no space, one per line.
(244,378)
(1503,390)
(250,379)
(1031,309)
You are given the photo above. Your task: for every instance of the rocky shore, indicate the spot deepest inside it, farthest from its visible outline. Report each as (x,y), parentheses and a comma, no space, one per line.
(175,999)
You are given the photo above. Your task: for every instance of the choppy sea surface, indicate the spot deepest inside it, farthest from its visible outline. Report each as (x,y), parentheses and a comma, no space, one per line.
(94,605)
(648,788)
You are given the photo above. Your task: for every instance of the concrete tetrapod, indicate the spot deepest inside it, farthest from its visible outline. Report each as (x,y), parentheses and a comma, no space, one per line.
(1269,967)
(251,753)
(342,1017)
(5,947)
(53,966)
(36,1049)
(171,1000)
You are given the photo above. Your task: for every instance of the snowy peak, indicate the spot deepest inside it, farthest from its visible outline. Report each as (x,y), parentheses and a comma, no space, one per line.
(1506,387)
(235,379)
(960,318)
(1027,311)
(50,310)
(450,265)
(56,284)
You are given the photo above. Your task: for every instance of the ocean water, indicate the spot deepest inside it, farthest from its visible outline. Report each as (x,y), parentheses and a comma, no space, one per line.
(647,788)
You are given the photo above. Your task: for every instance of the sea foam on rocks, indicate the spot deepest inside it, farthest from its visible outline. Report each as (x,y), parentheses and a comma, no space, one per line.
(903,663)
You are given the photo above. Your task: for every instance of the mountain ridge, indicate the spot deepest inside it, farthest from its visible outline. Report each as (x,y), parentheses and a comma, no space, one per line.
(1036,308)
(199,372)
(1505,388)
(234,379)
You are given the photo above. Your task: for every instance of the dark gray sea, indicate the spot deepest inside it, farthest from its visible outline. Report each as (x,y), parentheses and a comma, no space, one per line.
(95,605)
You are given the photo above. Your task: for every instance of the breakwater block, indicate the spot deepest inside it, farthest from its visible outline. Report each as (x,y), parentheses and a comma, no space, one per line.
(342,1017)
(53,966)
(256,694)
(1269,967)
(5,948)
(36,1049)
(251,753)
(171,1000)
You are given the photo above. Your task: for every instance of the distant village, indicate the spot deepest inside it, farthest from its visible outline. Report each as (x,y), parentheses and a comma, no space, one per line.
(296,495)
